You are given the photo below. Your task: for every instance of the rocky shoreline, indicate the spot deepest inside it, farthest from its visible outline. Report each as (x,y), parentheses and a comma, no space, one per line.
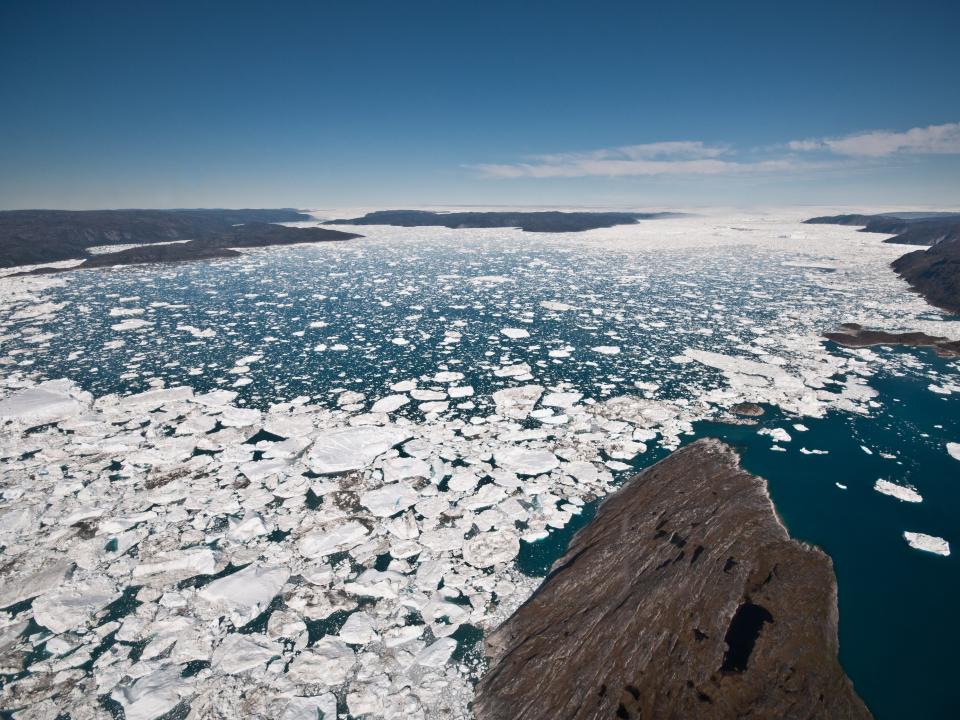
(856,336)
(214,247)
(935,272)
(684,598)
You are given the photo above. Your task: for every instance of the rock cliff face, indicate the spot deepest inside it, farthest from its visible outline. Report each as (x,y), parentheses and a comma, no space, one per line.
(934,273)
(684,598)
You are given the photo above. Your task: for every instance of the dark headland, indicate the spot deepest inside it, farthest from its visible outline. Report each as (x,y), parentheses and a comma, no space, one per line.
(684,598)
(549,221)
(32,237)
(854,335)
(934,273)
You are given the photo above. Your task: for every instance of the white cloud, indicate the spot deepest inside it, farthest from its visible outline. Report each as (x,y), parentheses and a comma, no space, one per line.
(932,140)
(693,157)
(662,158)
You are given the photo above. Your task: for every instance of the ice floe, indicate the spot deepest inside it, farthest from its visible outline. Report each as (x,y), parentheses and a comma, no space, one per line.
(928,543)
(900,492)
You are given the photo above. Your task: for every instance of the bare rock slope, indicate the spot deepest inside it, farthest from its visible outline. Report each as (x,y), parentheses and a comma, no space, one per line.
(684,598)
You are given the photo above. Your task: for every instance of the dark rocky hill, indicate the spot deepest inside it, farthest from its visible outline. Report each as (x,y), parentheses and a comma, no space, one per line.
(910,228)
(934,273)
(30,237)
(550,221)
(684,598)
(211,246)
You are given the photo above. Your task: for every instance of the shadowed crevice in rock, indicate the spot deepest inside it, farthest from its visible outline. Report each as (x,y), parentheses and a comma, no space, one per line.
(684,598)
(742,635)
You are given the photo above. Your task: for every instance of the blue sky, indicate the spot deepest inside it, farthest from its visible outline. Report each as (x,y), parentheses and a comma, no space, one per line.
(320,104)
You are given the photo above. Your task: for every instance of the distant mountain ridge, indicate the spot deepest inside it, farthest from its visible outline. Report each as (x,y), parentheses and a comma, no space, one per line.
(910,228)
(935,272)
(212,246)
(29,237)
(539,221)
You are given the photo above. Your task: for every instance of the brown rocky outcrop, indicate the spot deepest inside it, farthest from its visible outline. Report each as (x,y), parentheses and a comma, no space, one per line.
(854,335)
(684,598)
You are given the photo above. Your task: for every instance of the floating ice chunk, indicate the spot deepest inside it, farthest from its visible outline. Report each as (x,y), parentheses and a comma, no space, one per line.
(404,386)
(328,662)
(553,305)
(867,450)
(435,406)
(358,629)
(517,402)
(777,434)
(349,397)
(515,333)
(353,448)
(45,403)
(131,324)
(447,376)
(805,451)
(561,399)
(841,486)
(376,583)
(953,449)
(326,542)
(239,653)
(399,341)
(428,395)
(34,584)
(929,543)
(525,461)
(437,654)
(460,391)
(486,549)
(582,471)
(400,468)
(177,565)
(389,404)
(72,605)
(153,695)
(312,707)
(197,332)
(389,499)
(516,370)
(245,594)
(152,399)
(900,492)
(606,349)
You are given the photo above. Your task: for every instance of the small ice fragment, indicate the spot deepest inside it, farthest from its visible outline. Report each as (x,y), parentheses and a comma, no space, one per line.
(389,404)
(900,492)
(953,449)
(929,543)
(777,434)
